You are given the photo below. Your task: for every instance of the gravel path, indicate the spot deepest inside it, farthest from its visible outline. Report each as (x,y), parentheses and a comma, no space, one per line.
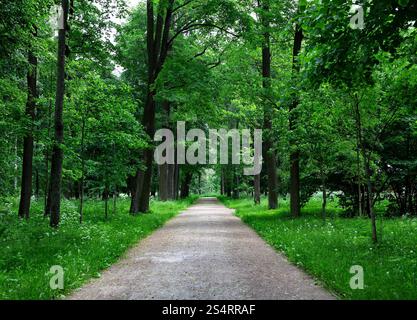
(204,253)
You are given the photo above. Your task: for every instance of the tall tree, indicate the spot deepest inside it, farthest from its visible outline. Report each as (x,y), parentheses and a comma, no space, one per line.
(27,164)
(57,151)
(268,144)
(295,154)
(157,50)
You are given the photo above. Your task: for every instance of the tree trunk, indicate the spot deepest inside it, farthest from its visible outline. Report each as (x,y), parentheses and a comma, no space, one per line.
(370,198)
(185,185)
(157,51)
(134,205)
(295,155)
(270,156)
(154,184)
(171,181)
(47,207)
(163,183)
(177,181)
(359,176)
(57,152)
(257,189)
(367,170)
(143,205)
(199,182)
(27,165)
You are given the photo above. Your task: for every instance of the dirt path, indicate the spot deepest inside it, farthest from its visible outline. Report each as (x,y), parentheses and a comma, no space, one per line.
(204,253)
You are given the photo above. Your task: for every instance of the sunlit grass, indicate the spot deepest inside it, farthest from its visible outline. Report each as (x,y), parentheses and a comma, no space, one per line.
(328,249)
(28,249)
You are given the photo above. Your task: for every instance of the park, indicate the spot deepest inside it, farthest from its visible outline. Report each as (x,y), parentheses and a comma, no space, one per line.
(208,150)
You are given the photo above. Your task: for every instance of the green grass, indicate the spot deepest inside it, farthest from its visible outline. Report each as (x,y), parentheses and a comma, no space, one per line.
(328,250)
(28,249)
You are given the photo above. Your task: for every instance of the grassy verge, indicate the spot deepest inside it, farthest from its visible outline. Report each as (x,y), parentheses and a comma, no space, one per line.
(28,249)
(328,250)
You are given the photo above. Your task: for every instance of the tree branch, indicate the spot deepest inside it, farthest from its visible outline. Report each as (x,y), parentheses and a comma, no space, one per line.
(186,3)
(194,26)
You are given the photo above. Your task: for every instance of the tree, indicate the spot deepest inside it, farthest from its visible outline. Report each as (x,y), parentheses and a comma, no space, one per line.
(295,154)
(26,185)
(268,146)
(57,151)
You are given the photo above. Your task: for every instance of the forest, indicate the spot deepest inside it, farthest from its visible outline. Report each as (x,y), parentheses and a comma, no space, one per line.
(85,84)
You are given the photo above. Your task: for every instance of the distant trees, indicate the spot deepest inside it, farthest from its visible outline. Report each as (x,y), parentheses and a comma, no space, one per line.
(42,157)
(335,104)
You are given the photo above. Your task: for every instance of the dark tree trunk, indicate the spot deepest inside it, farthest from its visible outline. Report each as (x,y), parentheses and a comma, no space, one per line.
(157,50)
(370,198)
(185,185)
(137,190)
(144,196)
(367,170)
(257,189)
(140,201)
(268,145)
(57,152)
(27,165)
(171,181)
(154,183)
(358,168)
(47,207)
(130,183)
(163,185)
(295,155)
(177,181)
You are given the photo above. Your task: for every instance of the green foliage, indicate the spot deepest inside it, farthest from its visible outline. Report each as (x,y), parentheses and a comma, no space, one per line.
(82,250)
(351,103)
(109,137)
(328,250)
